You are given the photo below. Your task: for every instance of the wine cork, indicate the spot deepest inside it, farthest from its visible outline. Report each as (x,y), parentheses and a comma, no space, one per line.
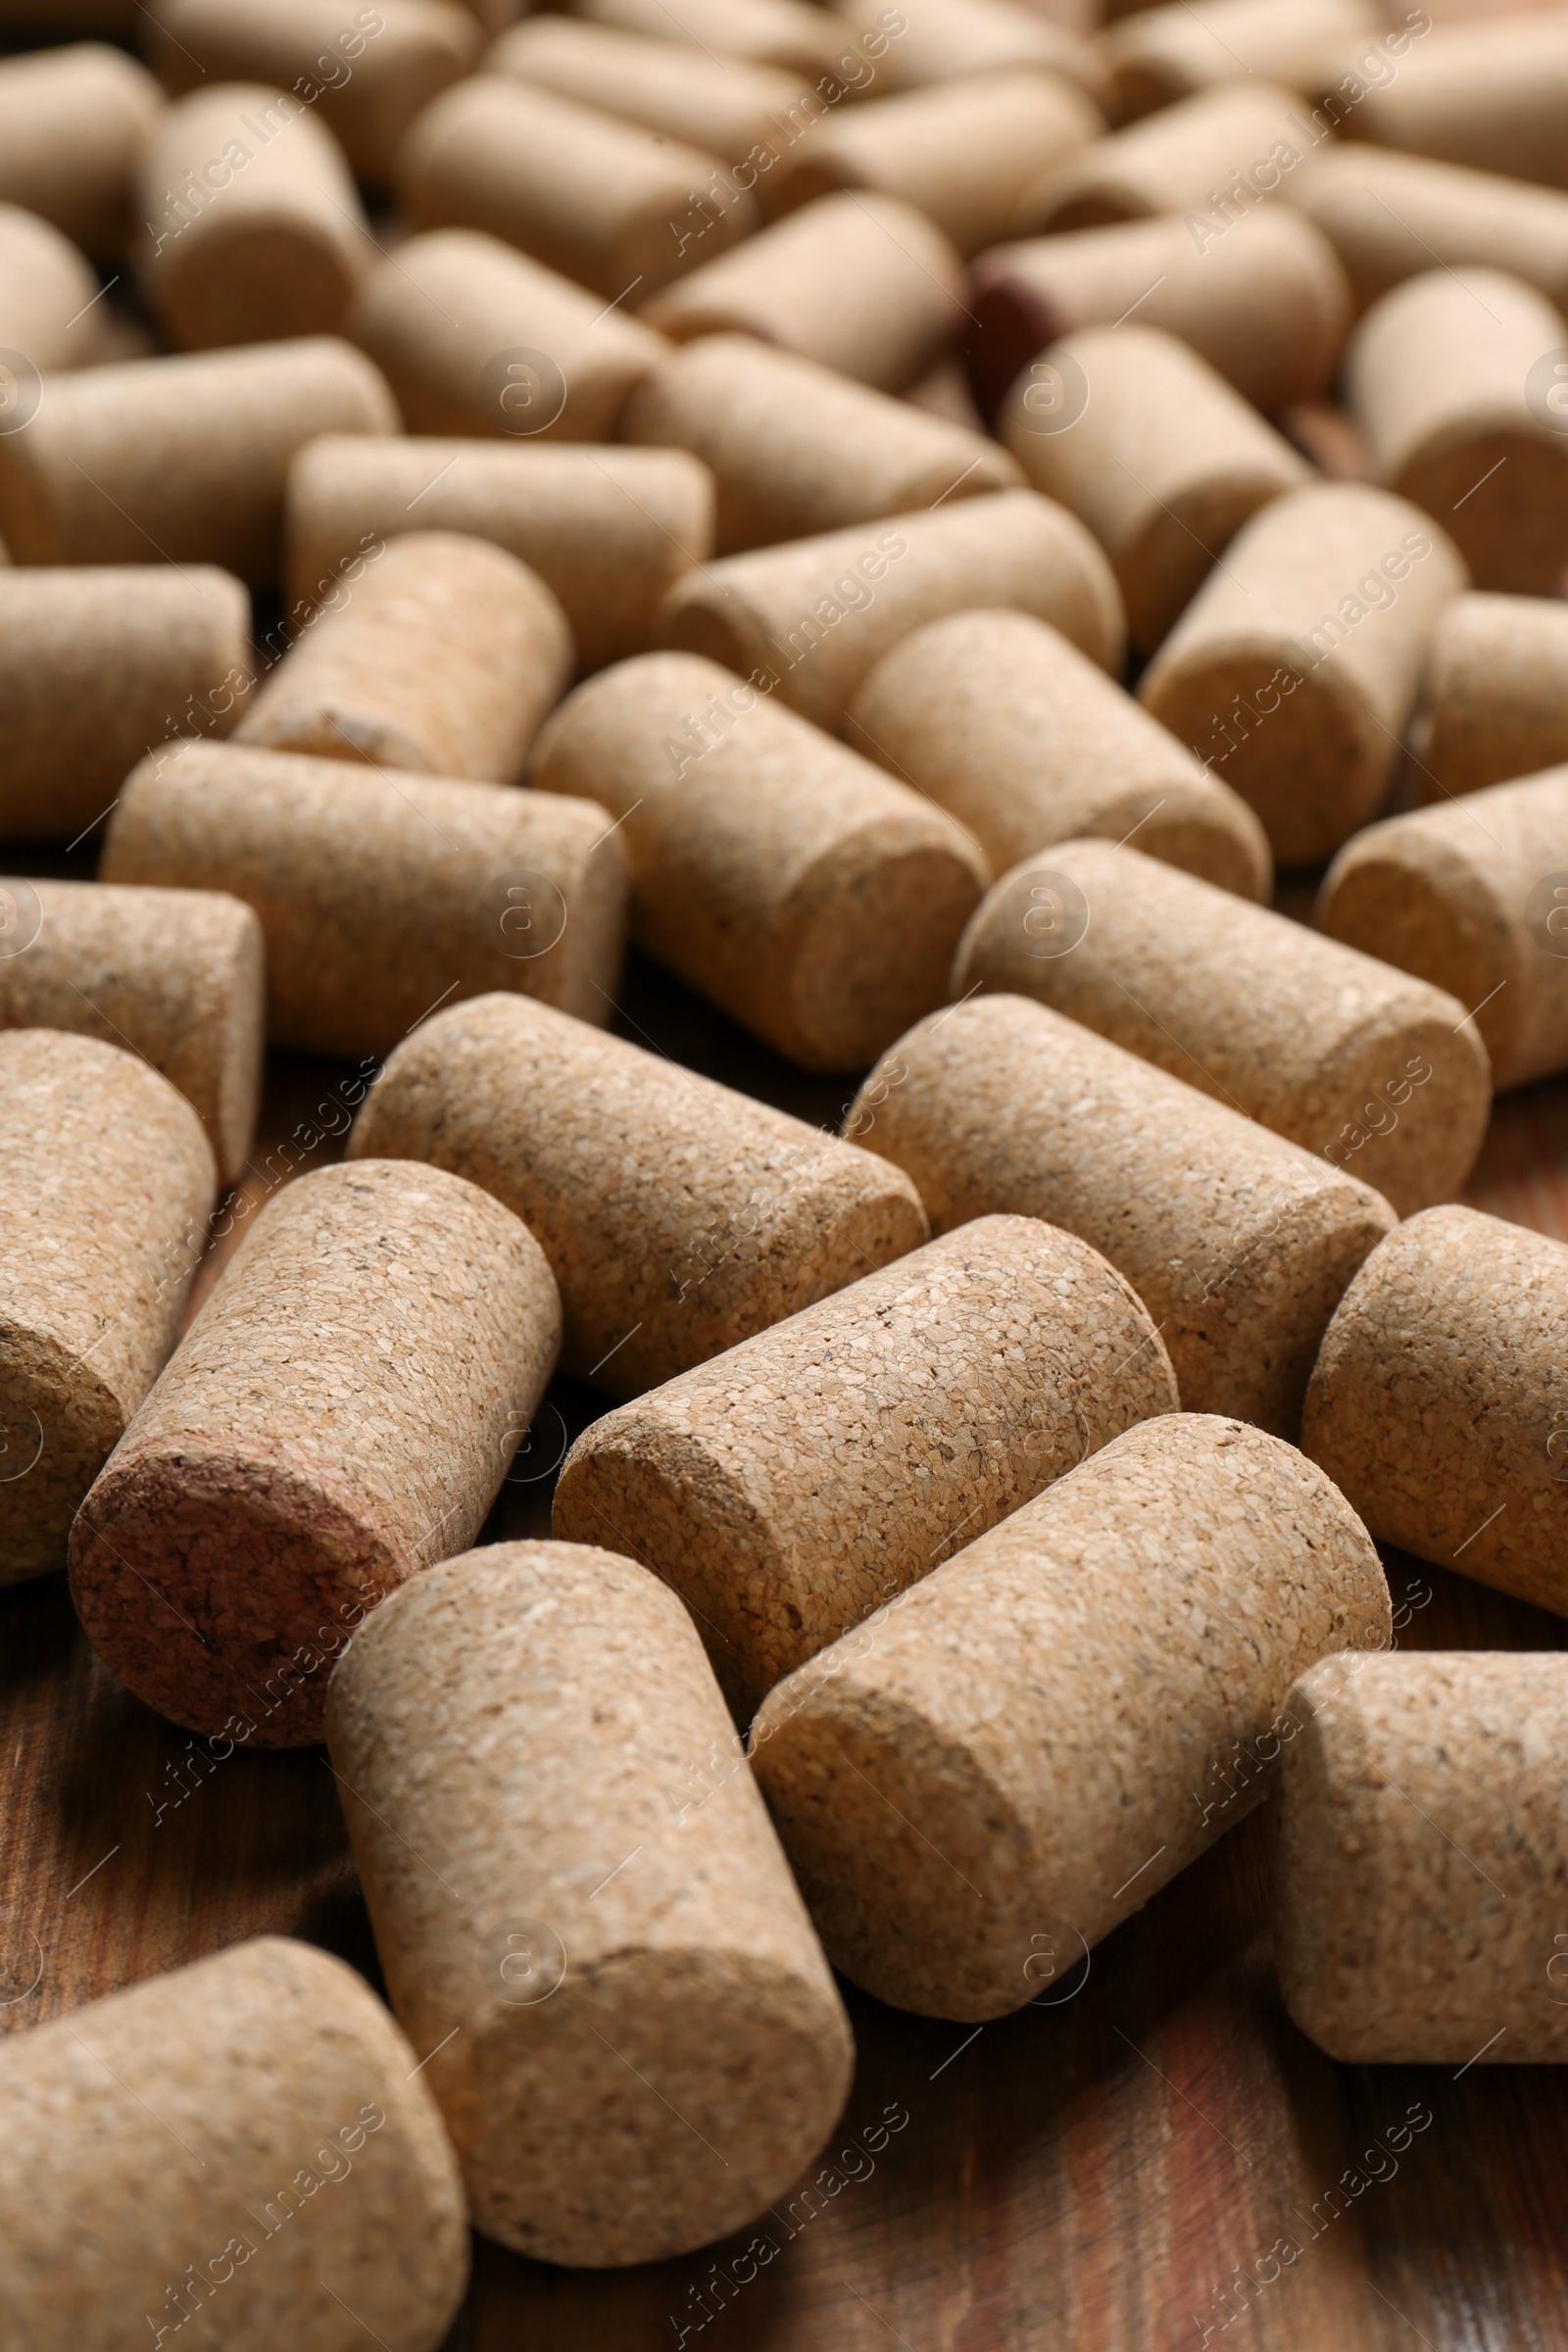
(1380,1074)
(108,1181)
(1471,895)
(1023,740)
(797,1483)
(195,2116)
(787,34)
(98,665)
(1490,94)
(475,338)
(977,1786)
(1296,666)
(1439,375)
(862,284)
(590,1966)
(1240,1244)
(339,1417)
(667,1251)
(1421,1861)
(1390,217)
(182,460)
(368,70)
(620,209)
(1237,140)
(73,123)
(443,657)
(254,229)
(1268,309)
(176,976)
(48,313)
(1496,694)
(931,43)
(794,450)
(1155,63)
(1141,439)
(814,617)
(812,897)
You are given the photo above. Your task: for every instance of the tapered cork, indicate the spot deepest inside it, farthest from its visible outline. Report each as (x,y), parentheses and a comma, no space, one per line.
(1490,94)
(253,227)
(795,450)
(1422,1859)
(814,617)
(1472,893)
(787,34)
(866,285)
(475,338)
(182,460)
(1240,1244)
(444,656)
(47,288)
(1268,309)
(1390,217)
(339,1417)
(1495,700)
(812,896)
(1378,1073)
(1296,666)
(976,1786)
(1022,739)
(108,1182)
(795,1485)
(73,123)
(637,2041)
(199,2118)
(175,975)
(930,43)
(1162,459)
(1153,61)
(98,665)
(1239,136)
(678,1218)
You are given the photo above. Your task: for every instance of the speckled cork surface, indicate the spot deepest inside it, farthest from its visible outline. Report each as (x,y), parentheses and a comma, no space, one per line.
(1378,1073)
(679,1217)
(1494,698)
(73,122)
(339,1417)
(1169,163)
(1390,217)
(45,286)
(1240,1244)
(243,2148)
(637,2041)
(794,1484)
(107,1181)
(1423,1860)
(977,1785)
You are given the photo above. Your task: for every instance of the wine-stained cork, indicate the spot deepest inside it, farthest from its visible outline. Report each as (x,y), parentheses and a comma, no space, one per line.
(369,70)
(1421,1860)
(1240,1244)
(678,1218)
(182,460)
(1472,893)
(1390,217)
(1495,699)
(73,123)
(1144,442)
(178,976)
(931,43)
(96,666)
(202,2115)
(380,900)
(1164,54)
(609,532)
(814,617)
(48,311)
(254,229)
(339,1416)
(786,33)
(1236,136)
(1490,94)
(592,1965)
(795,450)
(108,1182)
(1022,739)
(1442,374)
(1268,309)
(475,338)
(1379,1073)
(812,896)
(978,1785)
(443,657)
(1295,668)
(866,285)
(793,1486)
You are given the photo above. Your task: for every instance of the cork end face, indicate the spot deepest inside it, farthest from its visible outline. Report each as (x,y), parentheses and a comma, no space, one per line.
(1165,567)
(59,1422)
(878,923)
(1417,1094)
(1503,499)
(264,283)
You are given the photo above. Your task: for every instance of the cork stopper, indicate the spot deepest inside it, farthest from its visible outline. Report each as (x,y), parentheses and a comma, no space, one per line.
(1226,146)
(1494,698)
(202,2115)
(975,1788)
(637,2044)
(1489,94)
(339,1416)
(45,287)
(108,1183)
(1390,217)
(1153,63)
(73,123)
(943,41)
(791,34)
